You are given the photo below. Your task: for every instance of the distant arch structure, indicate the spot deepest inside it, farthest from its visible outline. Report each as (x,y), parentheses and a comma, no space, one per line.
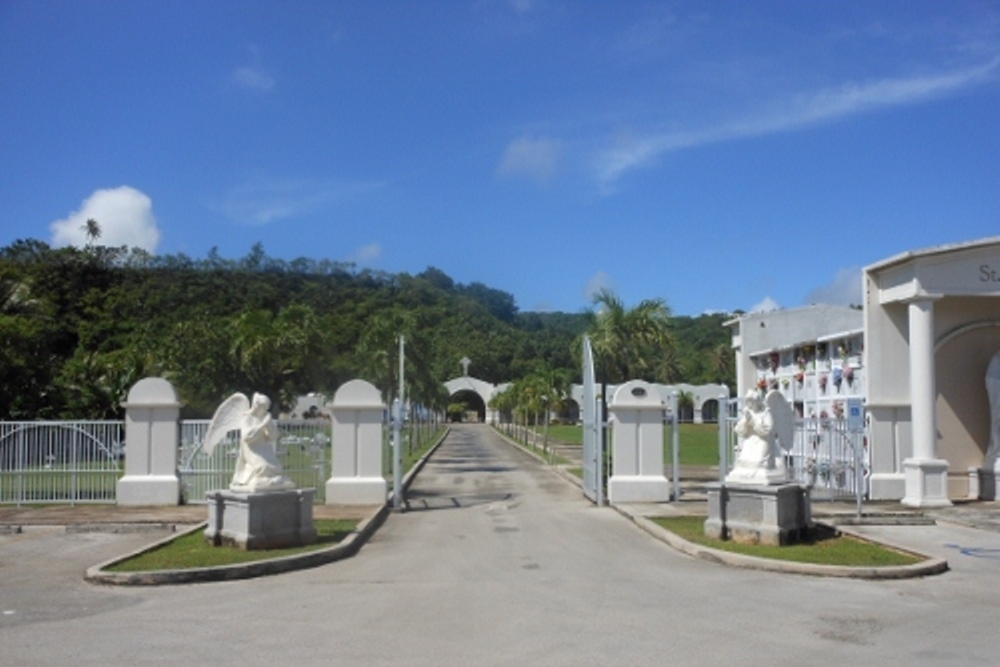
(479,391)
(704,399)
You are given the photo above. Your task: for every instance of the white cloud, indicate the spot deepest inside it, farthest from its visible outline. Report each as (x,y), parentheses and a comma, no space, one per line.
(261,201)
(597,282)
(531,158)
(826,105)
(844,290)
(125,216)
(766,305)
(366,254)
(522,6)
(254,78)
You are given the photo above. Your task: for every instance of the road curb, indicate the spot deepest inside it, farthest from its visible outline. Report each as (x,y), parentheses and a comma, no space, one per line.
(929,566)
(346,548)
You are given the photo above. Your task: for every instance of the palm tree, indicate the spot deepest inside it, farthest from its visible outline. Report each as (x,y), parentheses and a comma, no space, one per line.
(92,229)
(631,343)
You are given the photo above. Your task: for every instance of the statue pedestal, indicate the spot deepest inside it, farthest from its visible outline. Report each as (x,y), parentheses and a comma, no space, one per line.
(267,520)
(758,514)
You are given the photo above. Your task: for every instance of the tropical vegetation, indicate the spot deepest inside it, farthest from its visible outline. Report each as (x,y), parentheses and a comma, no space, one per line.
(81,325)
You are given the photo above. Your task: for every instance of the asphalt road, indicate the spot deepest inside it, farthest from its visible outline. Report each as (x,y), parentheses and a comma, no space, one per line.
(499,561)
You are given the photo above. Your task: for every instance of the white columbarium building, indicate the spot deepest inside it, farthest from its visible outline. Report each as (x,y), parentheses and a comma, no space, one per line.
(917,355)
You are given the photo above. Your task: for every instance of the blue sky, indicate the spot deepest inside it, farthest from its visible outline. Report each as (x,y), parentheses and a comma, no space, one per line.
(718,155)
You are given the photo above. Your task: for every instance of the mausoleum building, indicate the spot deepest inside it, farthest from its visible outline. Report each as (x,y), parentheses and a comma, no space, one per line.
(932,324)
(917,355)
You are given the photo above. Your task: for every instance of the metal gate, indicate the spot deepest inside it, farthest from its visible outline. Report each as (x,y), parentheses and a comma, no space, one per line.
(303,450)
(593,431)
(60,462)
(828,455)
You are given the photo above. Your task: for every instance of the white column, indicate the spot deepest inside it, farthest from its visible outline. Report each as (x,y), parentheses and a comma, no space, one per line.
(923,384)
(926,475)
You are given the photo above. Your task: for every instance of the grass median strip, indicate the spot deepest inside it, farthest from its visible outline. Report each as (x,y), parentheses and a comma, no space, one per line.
(828,548)
(191,550)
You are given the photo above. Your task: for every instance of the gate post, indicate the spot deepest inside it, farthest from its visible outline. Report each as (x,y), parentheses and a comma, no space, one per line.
(356,469)
(637,448)
(151,442)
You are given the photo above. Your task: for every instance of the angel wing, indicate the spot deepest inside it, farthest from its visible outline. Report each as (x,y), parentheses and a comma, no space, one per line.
(782,417)
(227,418)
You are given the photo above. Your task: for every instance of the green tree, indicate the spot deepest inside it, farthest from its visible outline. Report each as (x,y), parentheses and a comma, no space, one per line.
(630,343)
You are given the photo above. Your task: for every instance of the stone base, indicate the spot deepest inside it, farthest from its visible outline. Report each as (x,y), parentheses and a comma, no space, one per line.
(987,479)
(356,491)
(756,514)
(638,489)
(252,521)
(148,490)
(926,483)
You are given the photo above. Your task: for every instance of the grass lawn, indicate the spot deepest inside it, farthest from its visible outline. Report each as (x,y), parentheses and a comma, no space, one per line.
(827,549)
(191,550)
(699,443)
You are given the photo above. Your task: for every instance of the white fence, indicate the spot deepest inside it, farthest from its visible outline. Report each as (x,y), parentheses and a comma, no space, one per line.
(303,449)
(60,462)
(834,461)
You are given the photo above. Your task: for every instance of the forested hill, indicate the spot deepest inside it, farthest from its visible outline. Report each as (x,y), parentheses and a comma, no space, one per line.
(80,326)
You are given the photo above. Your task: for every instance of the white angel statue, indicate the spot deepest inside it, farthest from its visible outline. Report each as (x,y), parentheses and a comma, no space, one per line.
(766,427)
(257,466)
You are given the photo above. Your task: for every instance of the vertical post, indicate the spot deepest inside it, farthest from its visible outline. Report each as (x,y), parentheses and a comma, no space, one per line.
(675,446)
(723,437)
(397,433)
(599,449)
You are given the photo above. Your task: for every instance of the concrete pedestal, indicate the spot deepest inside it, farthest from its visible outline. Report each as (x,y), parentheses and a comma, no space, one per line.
(757,514)
(926,483)
(272,520)
(356,491)
(638,489)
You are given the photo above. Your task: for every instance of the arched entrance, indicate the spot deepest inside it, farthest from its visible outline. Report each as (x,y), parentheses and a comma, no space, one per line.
(466,406)
(469,398)
(963,411)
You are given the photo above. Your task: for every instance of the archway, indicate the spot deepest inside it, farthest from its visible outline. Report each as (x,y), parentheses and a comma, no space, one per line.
(466,405)
(963,411)
(569,412)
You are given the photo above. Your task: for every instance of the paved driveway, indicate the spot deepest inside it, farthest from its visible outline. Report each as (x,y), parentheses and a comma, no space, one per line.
(498,562)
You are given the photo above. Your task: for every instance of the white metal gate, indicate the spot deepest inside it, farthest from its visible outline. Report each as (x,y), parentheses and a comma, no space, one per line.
(60,462)
(593,431)
(827,455)
(303,450)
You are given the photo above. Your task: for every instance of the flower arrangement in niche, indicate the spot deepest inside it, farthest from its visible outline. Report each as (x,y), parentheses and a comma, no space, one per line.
(822,381)
(800,377)
(849,375)
(762,384)
(774,358)
(784,383)
(774,383)
(838,377)
(838,409)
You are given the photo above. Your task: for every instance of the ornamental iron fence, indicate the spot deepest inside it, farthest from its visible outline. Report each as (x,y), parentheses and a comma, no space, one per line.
(303,449)
(60,462)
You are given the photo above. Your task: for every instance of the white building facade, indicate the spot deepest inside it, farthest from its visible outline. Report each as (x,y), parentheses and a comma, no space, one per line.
(932,324)
(812,355)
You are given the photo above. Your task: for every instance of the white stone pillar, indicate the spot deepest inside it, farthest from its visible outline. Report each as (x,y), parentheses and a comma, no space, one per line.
(926,476)
(152,437)
(356,477)
(637,448)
